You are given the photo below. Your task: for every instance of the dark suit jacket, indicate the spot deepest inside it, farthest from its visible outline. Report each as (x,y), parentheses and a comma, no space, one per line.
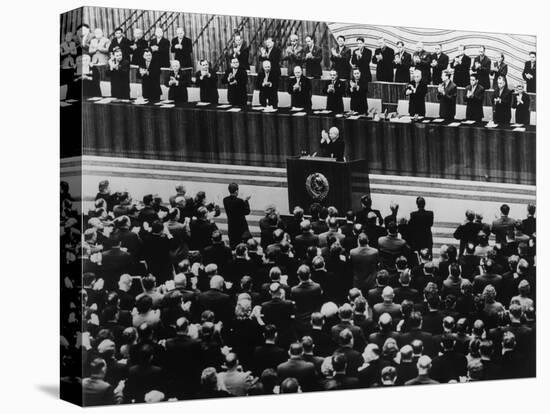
(531,69)
(420,227)
(313,64)
(502,111)
(303,241)
(364,263)
(448,366)
(423,65)
(208,87)
(402,69)
(447,101)
(150,82)
(178,93)
(201,233)
(474,103)
(461,76)
(442,63)
(341,62)
(501,226)
(300,98)
(124,46)
(142,379)
(308,298)
(362,63)
(218,302)
(237,86)
(236,210)
(137,54)
(281,314)
(384,67)
(120,80)
(162,56)
(483,71)
(242,55)
(417,99)
(183,55)
(529,225)
(115,262)
(183,360)
(268,356)
(467,233)
(335,97)
(303,371)
(358,94)
(430,348)
(156,252)
(219,254)
(340,382)
(268,93)
(523,115)
(274,57)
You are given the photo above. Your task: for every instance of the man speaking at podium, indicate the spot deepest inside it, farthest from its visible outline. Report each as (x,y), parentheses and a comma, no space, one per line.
(332,145)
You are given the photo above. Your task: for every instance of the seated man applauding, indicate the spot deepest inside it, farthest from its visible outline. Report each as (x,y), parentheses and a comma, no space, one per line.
(332,145)
(334,90)
(177,83)
(299,88)
(236,79)
(267,83)
(149,72)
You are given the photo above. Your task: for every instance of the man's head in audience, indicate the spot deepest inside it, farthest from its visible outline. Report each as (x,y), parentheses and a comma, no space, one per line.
(159,33)
(290,386)
(235,63)
(216,282)
(266,65)
(417,76)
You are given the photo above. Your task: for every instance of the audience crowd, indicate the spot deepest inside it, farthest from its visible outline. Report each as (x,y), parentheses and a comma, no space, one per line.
(157,305)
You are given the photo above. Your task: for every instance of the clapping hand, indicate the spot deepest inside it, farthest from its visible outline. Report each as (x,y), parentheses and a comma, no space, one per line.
(309,55)
(142,71)
(178,46)
(324,136)
(154,48)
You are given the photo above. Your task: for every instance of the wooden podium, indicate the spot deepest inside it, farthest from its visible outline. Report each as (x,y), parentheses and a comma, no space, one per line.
(327,182)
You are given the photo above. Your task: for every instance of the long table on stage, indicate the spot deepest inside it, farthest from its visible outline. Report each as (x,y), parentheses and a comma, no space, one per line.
(250,137)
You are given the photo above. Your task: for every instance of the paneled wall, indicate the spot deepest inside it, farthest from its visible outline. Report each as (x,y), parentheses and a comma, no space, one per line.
(211,34)
(516,48)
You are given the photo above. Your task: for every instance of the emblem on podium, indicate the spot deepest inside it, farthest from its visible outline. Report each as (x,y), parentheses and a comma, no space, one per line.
(317,186)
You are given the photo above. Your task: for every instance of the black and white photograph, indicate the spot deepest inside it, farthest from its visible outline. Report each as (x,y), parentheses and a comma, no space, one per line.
(261,206)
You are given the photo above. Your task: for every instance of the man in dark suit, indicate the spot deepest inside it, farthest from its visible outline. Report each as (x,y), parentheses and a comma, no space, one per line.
(119,72)
(156,252)
(474,99)
(149,74)
(334,90)
(268,355)
(177,83)
(216,300)
(357,89)
(402,64)
(115,262)
(307,296)
(390,247)
(383,58)
(201,230)
(361,58)
(421,60)
(416,91)
(280,312)
(297,368)
(450,365)
(306,239)
(340,57)
(446,93)
(95,390)
(313,55)
(503,225)
(240,51)
(529,73)
(182,360)
(206,79)
(482,66)
(461,68)
(294,53)
(467,232)
(299,88)
(420,226)
(423,365)
(218,253)
(137,46)
(364,262)
(521,102)
(530,223)
(160,46)
(236,210)
(385,331)
(340,380)
(272,53)
(267,83)
(182,48)
(121,42)
(332,146)
(502,103)
(416,332)
(439,64)
(345,314)
(237,84)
